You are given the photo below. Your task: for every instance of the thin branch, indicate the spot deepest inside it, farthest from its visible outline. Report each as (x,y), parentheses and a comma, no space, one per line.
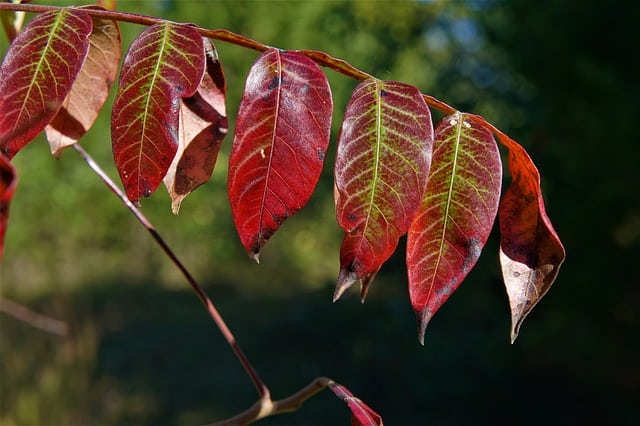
(34,319)
(262,389)
(336,64)
(339,65)
(438,104)
(322,58)
(265,408)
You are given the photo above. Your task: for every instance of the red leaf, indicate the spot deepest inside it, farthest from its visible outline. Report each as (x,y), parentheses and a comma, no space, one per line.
(37,74)
(163,64)
(382,164)
(203,125)
(361,413)
(90,89)
(282,134)
(8,181)
(456,216)
(530,250)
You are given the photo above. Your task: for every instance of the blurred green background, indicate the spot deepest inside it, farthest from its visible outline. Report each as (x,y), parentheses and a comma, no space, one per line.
(560,76)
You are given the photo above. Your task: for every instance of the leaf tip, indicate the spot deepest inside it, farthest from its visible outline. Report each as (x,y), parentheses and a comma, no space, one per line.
(515,330)
(255,255)
(365,284)
(56,152)
(340,289)
(345,280)
(421,338)
(175,205)
(424,316)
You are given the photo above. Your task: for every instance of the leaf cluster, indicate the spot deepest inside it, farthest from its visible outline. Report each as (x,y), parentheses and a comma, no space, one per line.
(397,173)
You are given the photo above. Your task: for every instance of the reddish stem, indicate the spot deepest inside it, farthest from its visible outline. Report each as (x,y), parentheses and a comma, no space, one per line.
(438,104)
(262,389)
(321,58)
(264,406)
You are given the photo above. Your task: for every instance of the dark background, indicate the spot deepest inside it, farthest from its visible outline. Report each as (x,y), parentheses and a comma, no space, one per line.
(561,77)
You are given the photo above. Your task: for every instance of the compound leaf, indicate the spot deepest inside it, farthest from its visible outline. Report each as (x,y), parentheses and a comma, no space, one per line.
(281,137)
(530,250)
(381,170)
(90,89)
(456,216)
(203,125)
(164,64)
(38,72)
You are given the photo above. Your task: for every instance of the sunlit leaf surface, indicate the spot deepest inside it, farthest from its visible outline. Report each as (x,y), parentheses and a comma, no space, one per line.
(38,72)
(456,216)
(164,64)
(281,137)
(382,164)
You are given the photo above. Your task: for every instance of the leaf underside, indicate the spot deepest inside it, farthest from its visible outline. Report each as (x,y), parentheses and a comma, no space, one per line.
(456,216)
(281,137)
(90,89)
(530,250)
(38,72)
(203,125)
(381,169)
(163,64)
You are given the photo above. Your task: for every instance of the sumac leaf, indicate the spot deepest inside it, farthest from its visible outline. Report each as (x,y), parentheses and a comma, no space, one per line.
(281,137)
(361,413)
(164,64)
(7,188)
(382,164)
(530,250)
(37,74)
(90,89)
(456,216)
(203,125)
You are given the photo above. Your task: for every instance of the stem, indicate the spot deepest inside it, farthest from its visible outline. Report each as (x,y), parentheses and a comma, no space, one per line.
(34,319)
(339,65)
(265,406)
(438,104)
(262,389)
(262,409)
(321,58)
